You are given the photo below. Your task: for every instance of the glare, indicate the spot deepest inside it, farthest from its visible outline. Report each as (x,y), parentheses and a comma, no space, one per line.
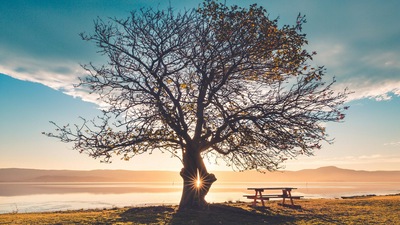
(198,183)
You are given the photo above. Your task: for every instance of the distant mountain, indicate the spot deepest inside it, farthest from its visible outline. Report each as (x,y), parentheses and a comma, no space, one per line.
(323,174)
(34,175)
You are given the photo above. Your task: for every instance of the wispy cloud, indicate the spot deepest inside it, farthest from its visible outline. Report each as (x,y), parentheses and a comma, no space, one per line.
(372,75)
(374,156)
(392,144)
(363,52)
(383,60)
(364,88)
(58,75)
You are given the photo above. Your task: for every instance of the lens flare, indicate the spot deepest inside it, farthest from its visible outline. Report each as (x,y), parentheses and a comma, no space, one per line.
(198,182)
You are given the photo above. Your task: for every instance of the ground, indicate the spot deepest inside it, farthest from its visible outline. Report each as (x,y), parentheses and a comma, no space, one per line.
(361,210)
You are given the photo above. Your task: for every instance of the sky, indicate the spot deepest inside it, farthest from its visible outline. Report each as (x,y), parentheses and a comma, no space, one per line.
(41,52)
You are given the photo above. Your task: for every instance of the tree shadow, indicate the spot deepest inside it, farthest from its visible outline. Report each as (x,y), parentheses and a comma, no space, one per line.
(215,214)
(221,214)
(147,215)
(225,214)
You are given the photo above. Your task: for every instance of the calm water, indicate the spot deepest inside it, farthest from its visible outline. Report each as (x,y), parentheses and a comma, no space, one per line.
(42,197)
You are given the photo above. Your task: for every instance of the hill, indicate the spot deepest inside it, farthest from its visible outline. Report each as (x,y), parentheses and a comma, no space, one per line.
(323,174)
(34,175)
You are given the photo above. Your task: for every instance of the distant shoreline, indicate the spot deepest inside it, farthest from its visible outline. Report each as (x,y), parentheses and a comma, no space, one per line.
(368,196)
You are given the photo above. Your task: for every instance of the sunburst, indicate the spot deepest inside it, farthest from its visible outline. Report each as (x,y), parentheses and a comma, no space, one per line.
(198,184)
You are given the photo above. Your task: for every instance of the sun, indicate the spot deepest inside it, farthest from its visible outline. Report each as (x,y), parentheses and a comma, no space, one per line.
(198,182)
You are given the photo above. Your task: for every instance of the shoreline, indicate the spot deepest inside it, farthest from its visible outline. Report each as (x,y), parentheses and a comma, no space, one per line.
(369,196)
(15,208)
(144,205)
(50,197)
(357,210)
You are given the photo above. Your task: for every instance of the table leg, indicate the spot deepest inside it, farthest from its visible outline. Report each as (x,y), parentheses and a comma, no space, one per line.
(262,200)
(290,196)
(287,194)
(284,194)
(255,199)
(258,193)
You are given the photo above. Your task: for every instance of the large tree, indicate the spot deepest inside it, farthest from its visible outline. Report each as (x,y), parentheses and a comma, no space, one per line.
(217,82)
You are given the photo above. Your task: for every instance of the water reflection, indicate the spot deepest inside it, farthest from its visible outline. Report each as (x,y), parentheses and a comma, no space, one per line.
(15,189)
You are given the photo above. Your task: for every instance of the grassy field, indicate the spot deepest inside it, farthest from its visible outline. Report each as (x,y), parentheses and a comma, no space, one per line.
(361,210)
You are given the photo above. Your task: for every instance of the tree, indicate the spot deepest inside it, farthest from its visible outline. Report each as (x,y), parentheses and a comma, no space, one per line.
(217,82)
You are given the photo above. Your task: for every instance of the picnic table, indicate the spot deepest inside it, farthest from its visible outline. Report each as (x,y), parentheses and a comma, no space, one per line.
(286,194)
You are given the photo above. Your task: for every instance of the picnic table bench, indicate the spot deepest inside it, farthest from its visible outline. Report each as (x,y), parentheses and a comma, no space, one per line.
(286,194)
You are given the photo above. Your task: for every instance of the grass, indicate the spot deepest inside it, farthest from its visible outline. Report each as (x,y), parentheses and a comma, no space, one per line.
(363,210)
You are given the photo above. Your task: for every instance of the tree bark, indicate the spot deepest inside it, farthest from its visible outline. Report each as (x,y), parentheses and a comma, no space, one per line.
(193,195)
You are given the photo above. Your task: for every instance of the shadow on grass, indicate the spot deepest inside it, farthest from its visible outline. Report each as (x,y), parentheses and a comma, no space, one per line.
(215,214)
(311,215)
(147,215)
(223,214)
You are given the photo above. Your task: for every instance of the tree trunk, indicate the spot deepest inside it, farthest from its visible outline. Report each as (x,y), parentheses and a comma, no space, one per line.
(194,193)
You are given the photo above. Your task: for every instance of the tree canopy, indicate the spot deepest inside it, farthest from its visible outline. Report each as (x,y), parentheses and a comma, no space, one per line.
(216,82)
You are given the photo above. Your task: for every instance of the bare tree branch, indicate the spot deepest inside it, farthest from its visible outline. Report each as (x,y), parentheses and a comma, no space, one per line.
(218,80)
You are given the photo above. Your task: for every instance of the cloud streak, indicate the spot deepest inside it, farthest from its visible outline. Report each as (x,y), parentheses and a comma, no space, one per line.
(372,75)
(397,144)
(61,76)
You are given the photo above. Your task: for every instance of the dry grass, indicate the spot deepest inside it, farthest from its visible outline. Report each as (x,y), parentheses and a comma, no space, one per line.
(366,210)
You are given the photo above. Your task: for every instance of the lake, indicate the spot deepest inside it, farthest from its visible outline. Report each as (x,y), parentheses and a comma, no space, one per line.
(56,196)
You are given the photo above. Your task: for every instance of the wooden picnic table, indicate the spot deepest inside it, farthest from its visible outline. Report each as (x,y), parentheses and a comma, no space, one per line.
(286,194)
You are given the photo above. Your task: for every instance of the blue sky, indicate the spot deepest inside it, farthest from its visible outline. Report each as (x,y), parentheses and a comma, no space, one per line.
(40,53)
